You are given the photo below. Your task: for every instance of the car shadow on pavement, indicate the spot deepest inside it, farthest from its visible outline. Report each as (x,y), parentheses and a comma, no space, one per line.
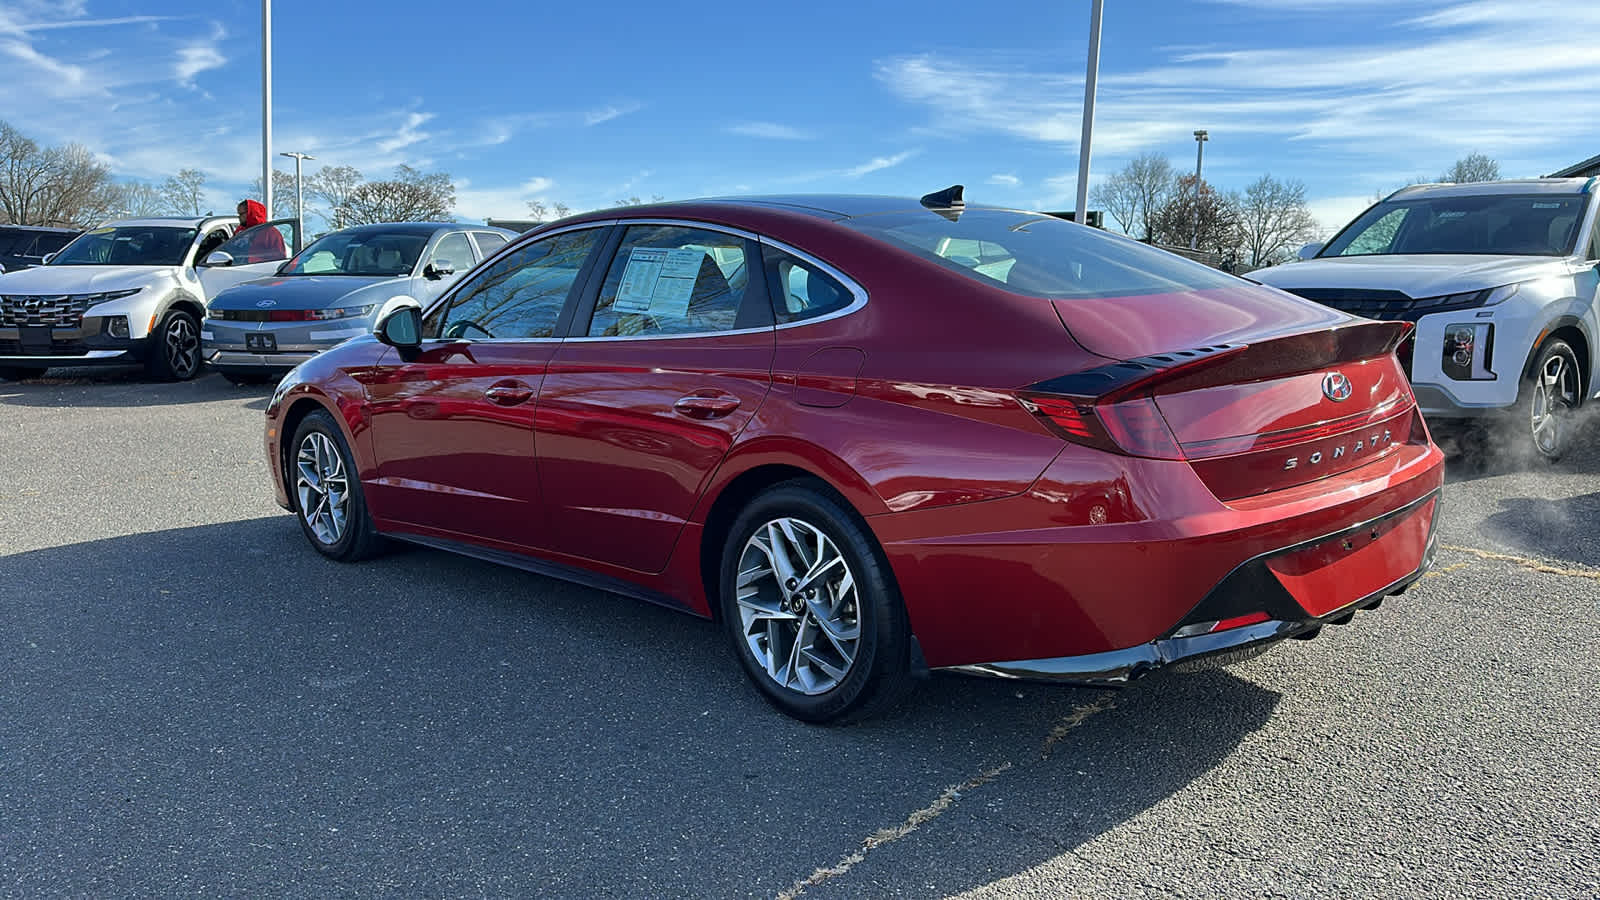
(1491,452)
(1555,529)
(220,709)
(123,388)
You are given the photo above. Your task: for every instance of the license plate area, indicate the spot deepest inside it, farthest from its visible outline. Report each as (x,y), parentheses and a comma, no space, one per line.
(35,340)
(1325,577)
(261,343)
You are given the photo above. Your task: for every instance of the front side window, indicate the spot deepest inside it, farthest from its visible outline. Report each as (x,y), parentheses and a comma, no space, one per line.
(128,245)
(453,252)
(519,295)
(258,244)
(362,253)
(1491,224)
(1039,255)
(671,279)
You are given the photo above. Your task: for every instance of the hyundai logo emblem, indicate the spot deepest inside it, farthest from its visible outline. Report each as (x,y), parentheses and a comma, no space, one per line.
(1336,387)
(263,304)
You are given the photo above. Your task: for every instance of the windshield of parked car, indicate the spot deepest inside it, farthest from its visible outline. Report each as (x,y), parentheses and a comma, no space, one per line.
(128,245)
(1502,224)
(1040,255)
(364,252)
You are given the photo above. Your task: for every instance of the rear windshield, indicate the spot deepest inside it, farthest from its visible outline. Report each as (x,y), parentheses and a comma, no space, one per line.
(1500,224)
(1040,255)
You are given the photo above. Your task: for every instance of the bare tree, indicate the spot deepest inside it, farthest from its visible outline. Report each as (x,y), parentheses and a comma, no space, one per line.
(138,198)
(408,197)
(635,201)
(1273,217)
(52,186)
(1219,218)
(283,194)
(334,185)
(543,212)
(1135,196)
(185,192)
(1470,168)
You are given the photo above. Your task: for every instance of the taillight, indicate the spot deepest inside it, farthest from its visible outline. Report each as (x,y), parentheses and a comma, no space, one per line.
(1132,427)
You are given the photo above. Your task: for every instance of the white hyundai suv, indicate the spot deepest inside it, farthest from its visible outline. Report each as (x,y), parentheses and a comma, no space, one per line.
(129,292)
(1501,281)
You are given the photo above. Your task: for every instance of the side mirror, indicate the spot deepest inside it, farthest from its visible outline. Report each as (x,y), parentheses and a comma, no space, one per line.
(218,258)
(399,323)
(1309,250)
(46,260)
(438,269)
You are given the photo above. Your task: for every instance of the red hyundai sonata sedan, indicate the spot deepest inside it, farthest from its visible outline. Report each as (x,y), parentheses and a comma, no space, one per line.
(875,437)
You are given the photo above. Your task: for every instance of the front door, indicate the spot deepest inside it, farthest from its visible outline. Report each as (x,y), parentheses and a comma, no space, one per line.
(254,253)
(452,428)
(635,416)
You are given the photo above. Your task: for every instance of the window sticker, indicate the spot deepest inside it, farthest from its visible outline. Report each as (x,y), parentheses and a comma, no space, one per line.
(1538,205)
(658,282)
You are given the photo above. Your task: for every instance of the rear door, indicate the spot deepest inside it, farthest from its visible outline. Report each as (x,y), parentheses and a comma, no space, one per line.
(253,255)
(674,358)
(452,427)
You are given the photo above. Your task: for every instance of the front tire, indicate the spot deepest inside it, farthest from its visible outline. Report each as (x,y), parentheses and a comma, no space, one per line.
(812,609)
(1549,400)
(325,484)
(174,347)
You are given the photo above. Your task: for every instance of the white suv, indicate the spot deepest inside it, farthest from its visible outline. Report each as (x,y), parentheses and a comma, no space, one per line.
(1500,279)
(128,292)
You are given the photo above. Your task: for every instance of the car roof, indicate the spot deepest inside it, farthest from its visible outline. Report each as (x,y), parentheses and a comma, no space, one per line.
(1509,186)
(418,228)
(46,229)
(169,221)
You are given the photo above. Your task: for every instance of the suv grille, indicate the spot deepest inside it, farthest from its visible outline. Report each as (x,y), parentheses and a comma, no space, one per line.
(1388,305)
(60,310)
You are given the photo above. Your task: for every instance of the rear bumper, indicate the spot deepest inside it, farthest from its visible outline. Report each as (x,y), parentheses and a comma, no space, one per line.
(1250,588)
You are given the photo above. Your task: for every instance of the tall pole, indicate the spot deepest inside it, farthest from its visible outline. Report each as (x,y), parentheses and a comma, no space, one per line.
(1200,138)
(299,198)
(266,105)
(1089,79)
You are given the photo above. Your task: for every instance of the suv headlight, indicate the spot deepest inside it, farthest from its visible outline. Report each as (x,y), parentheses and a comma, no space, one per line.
(1500,294)
(108,296)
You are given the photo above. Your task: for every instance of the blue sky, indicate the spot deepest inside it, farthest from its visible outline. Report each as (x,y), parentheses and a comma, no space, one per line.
(587,103)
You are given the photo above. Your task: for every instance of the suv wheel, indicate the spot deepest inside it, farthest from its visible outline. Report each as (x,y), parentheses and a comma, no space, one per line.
(174,347)
(1550,399)
(812,609)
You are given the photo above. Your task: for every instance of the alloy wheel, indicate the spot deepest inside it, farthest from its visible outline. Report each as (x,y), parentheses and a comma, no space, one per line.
(182,346)
(1555,395)
(322,487)
(798,605)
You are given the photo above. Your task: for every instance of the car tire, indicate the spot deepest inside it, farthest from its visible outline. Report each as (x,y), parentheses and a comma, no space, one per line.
(19,373)
(174,347)
(1547,405)
(325,491)
(836,651)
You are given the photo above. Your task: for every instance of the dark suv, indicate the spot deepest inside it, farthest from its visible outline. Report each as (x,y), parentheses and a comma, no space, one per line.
(22,246)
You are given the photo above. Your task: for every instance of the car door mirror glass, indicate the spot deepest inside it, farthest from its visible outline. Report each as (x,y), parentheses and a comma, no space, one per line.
(402,328)
(439,268)
(219,258)
(1309,250)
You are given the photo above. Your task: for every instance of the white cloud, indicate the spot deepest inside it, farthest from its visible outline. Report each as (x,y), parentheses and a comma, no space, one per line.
(770,130)
(607,113)
(1010,181)
(409,133)
(878,164)
(197,58)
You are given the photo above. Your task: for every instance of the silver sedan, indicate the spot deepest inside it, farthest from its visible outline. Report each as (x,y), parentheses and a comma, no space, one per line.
(332,290)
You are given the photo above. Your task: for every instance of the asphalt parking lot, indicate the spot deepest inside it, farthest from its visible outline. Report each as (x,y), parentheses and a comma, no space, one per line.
(194,702)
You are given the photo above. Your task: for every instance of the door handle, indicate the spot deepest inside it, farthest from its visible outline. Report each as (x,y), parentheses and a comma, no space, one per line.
(700,407)
(509,393)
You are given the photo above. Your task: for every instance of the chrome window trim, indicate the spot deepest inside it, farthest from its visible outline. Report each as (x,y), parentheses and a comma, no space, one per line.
(510,246)
(764,329)
(855,289)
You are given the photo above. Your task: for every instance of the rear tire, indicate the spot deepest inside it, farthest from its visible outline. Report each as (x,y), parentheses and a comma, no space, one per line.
(325,490)
(1547,405)
(174,348)
(812,608)
(19,373)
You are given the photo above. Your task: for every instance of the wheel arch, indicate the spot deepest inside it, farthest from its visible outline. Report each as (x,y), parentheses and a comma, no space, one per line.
(1572,330)
(179,300)
(294,413)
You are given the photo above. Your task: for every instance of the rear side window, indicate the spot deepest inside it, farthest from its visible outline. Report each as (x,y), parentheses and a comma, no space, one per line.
(669,279)
(519,295)
(488,242)
(1040,255)
(800,290)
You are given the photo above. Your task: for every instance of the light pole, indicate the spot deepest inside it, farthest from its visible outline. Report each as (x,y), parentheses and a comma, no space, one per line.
(1200,138)
(299,198)
(266,106)
(1089,79)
